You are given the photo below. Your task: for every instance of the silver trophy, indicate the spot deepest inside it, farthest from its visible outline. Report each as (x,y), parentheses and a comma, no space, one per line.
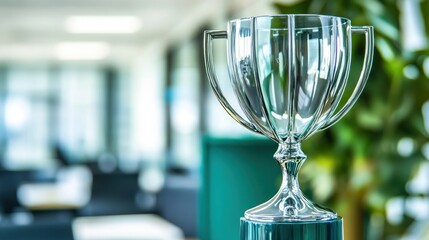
(289,73)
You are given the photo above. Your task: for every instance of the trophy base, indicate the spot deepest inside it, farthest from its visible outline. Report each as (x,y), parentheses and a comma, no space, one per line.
(305,230)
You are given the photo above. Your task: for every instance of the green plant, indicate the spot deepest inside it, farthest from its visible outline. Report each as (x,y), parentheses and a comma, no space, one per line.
(357,161)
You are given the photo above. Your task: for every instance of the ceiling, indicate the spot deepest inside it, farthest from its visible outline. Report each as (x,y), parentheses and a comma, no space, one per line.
(30,30)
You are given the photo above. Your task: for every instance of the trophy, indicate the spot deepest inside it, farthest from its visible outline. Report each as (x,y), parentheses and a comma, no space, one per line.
(289,73)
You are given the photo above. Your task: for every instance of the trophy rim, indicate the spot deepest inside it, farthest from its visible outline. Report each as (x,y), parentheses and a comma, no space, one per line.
(343,19)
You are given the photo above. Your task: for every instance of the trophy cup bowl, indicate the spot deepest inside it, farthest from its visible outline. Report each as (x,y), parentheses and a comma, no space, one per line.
(289,73)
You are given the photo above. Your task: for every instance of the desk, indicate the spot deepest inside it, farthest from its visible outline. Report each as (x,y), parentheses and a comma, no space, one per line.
(50,196)
(72,190)
(130,227)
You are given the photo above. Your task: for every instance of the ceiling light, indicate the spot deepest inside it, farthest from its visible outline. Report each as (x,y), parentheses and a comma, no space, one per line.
(82,50)
(103,24)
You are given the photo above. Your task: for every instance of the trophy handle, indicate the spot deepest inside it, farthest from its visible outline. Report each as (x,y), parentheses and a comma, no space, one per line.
(369,46)
(208,61)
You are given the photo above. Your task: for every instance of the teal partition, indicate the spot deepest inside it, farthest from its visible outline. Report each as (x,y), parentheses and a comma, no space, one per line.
(237,174)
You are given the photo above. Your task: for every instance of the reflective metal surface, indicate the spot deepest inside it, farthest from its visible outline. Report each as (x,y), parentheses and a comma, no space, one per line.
(289,73)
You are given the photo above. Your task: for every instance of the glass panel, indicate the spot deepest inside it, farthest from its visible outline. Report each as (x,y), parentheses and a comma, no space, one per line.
(27,118)
(81,112)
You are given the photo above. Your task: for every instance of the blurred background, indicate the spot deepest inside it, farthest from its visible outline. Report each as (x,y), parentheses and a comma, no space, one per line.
(108,129)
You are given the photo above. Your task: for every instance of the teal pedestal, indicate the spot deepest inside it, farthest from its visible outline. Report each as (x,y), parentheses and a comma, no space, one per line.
(317,230)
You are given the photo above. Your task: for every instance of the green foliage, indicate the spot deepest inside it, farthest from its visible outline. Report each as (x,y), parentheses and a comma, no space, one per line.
(363,145)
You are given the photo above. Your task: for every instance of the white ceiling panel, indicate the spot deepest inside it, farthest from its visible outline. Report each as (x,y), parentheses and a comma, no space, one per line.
(30,29)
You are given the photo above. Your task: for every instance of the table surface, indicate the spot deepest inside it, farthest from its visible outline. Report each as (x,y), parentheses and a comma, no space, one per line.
(131,227)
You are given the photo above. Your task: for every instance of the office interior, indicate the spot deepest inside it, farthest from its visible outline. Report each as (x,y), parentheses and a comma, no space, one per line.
(107,119)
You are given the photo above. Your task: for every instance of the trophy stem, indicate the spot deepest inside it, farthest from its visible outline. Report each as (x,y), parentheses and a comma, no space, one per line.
(289,214)
(289,204)
(290,157)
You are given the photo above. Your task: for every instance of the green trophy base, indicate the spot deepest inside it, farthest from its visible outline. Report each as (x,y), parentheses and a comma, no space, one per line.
(311,230)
